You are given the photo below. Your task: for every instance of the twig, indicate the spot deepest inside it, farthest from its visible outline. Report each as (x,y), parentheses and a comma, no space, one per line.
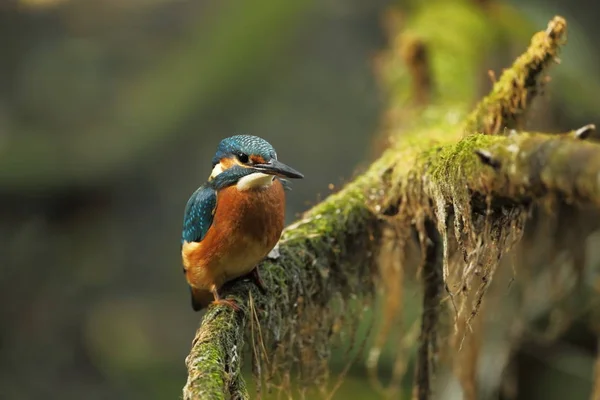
(512,94)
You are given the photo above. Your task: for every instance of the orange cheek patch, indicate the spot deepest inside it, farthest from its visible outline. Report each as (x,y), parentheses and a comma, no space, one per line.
(257,159)
(227,163)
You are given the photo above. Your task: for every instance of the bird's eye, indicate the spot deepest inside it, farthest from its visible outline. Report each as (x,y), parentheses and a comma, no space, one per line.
(243,158)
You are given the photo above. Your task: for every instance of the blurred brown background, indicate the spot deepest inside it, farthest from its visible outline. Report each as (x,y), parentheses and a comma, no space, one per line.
(110,112)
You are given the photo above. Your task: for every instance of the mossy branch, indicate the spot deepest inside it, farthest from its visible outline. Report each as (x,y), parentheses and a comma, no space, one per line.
(505,106)
(328,258)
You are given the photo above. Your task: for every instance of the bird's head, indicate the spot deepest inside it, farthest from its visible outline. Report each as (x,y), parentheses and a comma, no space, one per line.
(251,160)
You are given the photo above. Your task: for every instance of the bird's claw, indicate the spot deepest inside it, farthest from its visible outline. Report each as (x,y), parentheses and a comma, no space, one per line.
(227,302)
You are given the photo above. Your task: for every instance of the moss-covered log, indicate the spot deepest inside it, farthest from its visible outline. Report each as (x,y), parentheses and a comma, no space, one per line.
(438,171)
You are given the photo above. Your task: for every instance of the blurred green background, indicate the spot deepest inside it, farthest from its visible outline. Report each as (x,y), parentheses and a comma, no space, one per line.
(110,112)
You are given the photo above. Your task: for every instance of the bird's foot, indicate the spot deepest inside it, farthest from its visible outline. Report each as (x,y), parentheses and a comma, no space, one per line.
(227,302)
(255,276)
(219,300)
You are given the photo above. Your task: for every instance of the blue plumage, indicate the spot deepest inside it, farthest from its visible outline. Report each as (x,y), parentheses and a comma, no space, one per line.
(244,143)
(229,177)
(200,207)
(199,213)
(286,184)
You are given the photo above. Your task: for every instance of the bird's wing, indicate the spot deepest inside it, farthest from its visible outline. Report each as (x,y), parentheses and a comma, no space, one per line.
(199,213)
(286,184)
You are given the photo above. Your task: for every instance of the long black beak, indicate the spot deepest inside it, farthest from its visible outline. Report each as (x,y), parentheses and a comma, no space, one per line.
(275,167)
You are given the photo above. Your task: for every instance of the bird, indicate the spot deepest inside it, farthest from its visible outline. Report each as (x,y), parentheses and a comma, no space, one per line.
(234,219)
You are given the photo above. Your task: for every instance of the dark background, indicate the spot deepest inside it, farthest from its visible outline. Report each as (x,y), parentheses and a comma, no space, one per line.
(110,112)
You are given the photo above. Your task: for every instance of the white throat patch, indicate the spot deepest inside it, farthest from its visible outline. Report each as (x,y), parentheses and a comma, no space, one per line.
(216,170)
(255,180)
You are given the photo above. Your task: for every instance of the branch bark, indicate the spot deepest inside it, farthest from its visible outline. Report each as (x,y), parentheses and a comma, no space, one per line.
(328,258)
(432,290)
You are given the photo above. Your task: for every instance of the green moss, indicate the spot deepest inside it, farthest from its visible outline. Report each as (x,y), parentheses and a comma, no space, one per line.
(211,351)
(451,164)
(506,105)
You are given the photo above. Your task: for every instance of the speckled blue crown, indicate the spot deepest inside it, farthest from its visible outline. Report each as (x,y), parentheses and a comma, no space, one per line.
(247,144)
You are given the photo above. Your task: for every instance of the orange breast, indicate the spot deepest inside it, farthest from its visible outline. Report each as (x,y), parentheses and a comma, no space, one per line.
(246,226)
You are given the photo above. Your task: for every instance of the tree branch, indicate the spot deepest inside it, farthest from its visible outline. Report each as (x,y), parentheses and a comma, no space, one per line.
(505,106)
(329,257)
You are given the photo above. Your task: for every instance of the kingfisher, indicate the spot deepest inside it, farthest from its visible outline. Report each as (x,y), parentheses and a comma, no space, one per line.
(233,220)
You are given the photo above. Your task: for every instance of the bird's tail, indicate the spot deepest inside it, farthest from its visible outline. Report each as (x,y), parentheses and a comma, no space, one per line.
(200,298)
